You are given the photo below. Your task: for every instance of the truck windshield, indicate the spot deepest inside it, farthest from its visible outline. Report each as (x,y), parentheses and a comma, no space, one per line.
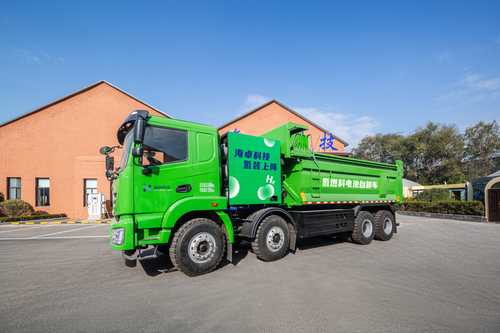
(125,151)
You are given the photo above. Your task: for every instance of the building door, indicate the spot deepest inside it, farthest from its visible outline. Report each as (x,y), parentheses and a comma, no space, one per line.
(494,205)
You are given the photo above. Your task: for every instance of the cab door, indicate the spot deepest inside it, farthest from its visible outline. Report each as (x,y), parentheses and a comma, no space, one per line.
(167,175)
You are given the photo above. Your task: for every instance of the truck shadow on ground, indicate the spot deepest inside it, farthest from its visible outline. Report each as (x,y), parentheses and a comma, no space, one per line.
(162,263)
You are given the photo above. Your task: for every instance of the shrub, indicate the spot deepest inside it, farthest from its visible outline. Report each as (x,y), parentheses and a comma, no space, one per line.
(39,212)
(443,207)
(434,194)
(26,218)
(2,198)
(16,207)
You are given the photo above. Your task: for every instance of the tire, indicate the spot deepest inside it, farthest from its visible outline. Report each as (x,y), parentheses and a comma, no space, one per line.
(364,228)
(384,225)
(197,247)
(272,239)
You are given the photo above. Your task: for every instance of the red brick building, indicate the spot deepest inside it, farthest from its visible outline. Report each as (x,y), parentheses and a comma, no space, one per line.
(50,156)
(273,114)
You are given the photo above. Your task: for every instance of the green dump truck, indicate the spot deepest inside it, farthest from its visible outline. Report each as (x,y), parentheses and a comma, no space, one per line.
(183,189)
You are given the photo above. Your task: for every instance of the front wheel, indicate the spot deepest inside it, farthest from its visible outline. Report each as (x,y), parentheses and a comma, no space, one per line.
(272,239)
(197,247)
(363,228)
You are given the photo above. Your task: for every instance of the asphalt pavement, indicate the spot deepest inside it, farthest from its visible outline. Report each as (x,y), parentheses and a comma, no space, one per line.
(433,276)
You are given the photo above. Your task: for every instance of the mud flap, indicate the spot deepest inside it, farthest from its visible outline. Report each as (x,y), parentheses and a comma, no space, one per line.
(229,245)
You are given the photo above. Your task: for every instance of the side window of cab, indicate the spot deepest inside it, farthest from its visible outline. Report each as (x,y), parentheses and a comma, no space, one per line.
(164,145)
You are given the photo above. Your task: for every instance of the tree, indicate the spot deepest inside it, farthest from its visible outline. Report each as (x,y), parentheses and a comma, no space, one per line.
(482,145)
(382,148)
(437,151)
(431,155)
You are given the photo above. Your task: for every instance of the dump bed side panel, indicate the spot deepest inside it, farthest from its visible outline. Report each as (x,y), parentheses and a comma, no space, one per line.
(332,179)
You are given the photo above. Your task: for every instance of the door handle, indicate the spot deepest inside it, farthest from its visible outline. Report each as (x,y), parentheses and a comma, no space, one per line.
(185,188)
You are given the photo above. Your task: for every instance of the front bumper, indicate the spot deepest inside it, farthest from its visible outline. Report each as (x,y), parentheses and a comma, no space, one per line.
(127,223)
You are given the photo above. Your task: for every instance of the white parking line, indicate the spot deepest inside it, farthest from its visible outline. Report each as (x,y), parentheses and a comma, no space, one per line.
(68,237)
(60,232)
(31,227)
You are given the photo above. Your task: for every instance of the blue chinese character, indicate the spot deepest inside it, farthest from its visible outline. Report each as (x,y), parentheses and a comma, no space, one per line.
(238,153)
(256,165)
(327,142)
(273,167)
(265,156)
(248,154)
(256,155)
(265,166)
(247,164)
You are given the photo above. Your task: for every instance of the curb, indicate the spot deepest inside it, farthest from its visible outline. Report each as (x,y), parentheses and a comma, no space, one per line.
(467,218)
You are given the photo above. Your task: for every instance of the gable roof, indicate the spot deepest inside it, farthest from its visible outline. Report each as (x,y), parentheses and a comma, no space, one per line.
(79,92)
(286,108)
(409,183)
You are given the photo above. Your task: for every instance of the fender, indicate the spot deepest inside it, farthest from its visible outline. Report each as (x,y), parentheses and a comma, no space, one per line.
(250,229)
(192,204)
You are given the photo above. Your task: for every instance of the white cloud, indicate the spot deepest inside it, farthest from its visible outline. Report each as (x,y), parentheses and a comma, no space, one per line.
(474,83)
(474,89)
(254,101)
(40,57)
(446,56)
(350,128)
(28,57)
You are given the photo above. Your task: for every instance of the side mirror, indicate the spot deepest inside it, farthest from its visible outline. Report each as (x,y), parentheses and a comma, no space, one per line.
(106,150)
(137,151)
(110,162)
(139,128)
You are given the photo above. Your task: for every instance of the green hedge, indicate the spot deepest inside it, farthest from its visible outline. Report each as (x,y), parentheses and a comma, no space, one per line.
(29,218)
(443,207)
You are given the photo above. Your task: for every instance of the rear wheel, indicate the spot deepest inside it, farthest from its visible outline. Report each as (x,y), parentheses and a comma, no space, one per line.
(272,239)
(197,247)
(364,229)
(384,225)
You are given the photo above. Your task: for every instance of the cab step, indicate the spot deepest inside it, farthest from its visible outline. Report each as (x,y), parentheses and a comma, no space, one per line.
(140,256)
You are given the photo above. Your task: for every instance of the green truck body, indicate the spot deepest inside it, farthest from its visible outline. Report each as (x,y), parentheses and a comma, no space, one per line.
(186,191)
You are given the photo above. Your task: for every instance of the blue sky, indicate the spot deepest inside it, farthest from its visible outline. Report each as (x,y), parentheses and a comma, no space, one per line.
(354,67)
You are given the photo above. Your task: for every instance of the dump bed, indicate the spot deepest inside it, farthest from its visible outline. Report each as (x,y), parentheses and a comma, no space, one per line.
(335,180)
(316,178)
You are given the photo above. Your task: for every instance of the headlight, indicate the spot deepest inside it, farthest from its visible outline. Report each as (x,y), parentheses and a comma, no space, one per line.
(118,236)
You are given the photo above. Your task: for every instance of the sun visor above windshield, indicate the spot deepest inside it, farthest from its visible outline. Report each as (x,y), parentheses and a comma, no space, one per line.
(129,122)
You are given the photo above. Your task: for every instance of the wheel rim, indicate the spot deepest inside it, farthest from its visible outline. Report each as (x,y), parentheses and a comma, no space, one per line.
(387,226)
(367,228)
(201,247)
(275,238)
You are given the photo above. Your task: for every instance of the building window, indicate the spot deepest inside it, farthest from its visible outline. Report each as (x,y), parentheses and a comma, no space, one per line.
(415,193)
(90,187)
(42,192)
(14,185)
